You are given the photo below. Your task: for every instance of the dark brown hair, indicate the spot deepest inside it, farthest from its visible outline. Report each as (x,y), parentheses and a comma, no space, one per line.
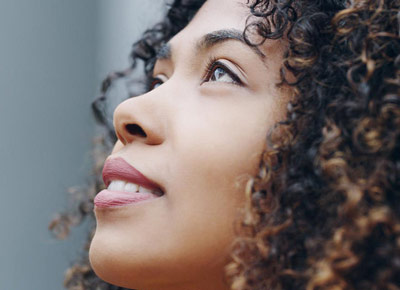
(323,212)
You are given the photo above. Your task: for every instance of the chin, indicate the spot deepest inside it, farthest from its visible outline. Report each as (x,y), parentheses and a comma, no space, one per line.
(106,263)
(116,266)
(135,261)
(103,261)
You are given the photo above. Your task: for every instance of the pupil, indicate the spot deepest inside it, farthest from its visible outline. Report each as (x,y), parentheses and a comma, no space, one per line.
(219,72)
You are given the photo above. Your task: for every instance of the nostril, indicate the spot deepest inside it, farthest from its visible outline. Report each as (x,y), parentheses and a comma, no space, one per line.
(136,130)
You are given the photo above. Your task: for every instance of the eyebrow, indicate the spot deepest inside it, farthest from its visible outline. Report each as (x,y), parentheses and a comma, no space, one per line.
(164,52)
(219,36)
(209,40)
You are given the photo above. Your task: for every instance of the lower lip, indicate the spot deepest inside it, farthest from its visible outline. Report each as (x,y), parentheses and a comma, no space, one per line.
(110,199)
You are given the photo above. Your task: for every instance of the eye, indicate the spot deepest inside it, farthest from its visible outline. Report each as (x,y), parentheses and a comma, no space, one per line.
(154,83)
(220,75)
(219,72)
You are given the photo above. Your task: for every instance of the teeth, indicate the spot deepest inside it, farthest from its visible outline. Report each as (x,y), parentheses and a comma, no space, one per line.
(119,185)
(130,187)
(145,190)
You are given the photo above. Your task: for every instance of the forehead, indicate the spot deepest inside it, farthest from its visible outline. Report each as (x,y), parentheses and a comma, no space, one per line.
(215,15)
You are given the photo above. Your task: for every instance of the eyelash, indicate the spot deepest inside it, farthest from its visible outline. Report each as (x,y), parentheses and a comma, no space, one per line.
(153,82)
(212,65)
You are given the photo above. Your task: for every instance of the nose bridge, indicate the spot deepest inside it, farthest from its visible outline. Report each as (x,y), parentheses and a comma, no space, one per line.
(141,119)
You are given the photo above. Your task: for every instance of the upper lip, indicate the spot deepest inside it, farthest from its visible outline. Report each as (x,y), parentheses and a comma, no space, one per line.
(119,169)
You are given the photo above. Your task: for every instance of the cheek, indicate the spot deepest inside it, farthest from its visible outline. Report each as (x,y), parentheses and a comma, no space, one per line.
(210,171)
(225,145)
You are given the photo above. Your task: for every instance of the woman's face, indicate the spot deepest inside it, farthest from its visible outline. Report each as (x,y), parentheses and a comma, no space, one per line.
(204,127)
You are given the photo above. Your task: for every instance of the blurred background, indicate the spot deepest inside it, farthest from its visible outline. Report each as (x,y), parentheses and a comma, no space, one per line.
(53,56)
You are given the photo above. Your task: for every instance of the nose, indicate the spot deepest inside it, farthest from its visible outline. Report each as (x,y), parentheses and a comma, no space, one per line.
(139,120)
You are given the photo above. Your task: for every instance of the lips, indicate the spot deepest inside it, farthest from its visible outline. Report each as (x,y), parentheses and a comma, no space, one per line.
(121,178)
(119,169)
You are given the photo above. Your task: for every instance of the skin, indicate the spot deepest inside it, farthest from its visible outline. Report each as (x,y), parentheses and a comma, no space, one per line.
(204,139)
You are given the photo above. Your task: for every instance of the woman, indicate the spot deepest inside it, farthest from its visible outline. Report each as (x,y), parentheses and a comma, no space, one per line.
(206,191)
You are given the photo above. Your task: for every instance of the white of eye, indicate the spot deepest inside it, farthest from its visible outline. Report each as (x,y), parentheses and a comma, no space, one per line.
(221,75)
(158,80)
(156,85)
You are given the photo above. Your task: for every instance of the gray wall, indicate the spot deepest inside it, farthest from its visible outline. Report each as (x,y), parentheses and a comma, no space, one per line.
(53,53)
(119,21)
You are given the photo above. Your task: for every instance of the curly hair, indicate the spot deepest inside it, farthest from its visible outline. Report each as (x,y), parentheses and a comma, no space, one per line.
(324,210)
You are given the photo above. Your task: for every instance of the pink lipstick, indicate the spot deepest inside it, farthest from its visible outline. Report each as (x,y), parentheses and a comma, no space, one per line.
(126,185)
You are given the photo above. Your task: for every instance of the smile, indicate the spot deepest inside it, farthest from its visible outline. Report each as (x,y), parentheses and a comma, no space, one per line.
(125,185)
(129,187)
